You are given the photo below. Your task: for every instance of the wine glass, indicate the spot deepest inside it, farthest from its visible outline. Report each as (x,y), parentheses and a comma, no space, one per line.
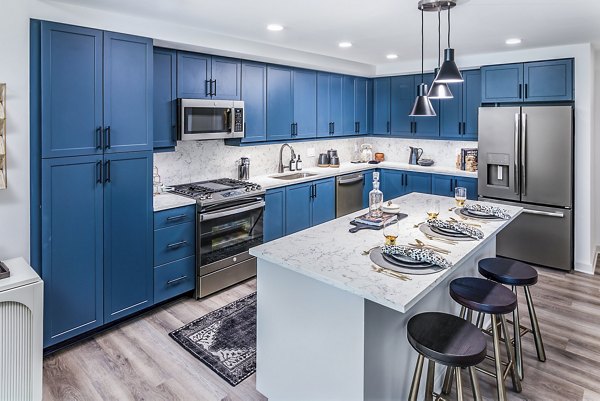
(433,208)
(391,230)
(460,195)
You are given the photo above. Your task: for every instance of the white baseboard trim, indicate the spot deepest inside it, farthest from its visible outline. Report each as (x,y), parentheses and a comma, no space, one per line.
(586,268)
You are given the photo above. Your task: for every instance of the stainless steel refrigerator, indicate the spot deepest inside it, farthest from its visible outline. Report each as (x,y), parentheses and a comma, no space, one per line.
(526,159)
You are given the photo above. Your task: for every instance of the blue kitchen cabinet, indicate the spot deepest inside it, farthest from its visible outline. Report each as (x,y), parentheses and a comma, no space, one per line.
(417,182)
(226,75)
(402,98)
(329,104)
(459,115)
(367,187)
(470,184)
(254,95)
(323,201)
(128,100)
(445,185)
(361,90)
(274,214)
(305,103)
(128,234)
(193,75)
(280,106)
(548,81)
(72,251)
(335,104)
(71,86)
(348,121)
(426,127)
(369,106)
(451,112)
(502,83)
(165,97)
(298,210)
(381,105)
(392,184)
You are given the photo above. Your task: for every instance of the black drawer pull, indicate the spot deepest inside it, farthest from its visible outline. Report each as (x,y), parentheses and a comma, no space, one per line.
(177,245)
(175,218)
(176,280)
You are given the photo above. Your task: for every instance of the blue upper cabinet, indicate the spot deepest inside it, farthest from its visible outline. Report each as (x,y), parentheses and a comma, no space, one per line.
(323,93)
(451,112)
(548,81)
(348,121)
(193,76)
(403,92)
(254,95)
(502,83)
(165,94)
(381,106)
(128,234)
(128,99)
(305,103)
(323,201)
(226,78)
(458,116)
(426,127)
(274,215)
(361,90)
(280,106)
(369,106)
(71,82)
(335,104)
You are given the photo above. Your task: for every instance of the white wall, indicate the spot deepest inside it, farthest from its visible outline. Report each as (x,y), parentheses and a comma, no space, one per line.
(596,157)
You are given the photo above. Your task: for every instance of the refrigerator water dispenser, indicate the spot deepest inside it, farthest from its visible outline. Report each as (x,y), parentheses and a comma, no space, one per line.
(498,170)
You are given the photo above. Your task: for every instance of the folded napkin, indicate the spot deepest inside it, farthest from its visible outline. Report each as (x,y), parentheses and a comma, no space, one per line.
(463,228)
(489,210)
(420,254)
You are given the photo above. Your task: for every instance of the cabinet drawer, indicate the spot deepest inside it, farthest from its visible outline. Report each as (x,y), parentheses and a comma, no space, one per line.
(174,278)
(172,217)
(174,243)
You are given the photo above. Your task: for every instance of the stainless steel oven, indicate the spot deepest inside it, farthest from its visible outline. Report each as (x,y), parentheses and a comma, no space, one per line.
(200,119)
(225,233)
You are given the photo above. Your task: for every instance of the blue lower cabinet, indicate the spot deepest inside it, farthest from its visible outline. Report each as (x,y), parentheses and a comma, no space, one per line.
(274,214)
(392,184)
(173,217)
(417,182)
(445,185)
(367,187)
(323,201)
(174,243)
(470,184)
(128,229)
(174,278)
(298,210)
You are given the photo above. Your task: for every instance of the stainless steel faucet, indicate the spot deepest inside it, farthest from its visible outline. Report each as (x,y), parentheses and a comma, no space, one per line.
(281,168)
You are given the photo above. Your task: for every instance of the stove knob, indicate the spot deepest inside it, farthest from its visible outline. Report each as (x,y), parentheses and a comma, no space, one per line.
(209,196)
(248,189)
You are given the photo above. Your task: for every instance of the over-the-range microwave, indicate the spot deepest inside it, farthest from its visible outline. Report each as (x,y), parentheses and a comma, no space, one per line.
(200,119)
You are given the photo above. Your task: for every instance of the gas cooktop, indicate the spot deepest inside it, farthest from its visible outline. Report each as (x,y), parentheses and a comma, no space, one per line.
(217,191)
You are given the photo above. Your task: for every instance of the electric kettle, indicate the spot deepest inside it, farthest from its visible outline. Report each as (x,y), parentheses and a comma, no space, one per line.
(415,155)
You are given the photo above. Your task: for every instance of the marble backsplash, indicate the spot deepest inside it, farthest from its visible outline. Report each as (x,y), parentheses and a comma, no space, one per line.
(203,160)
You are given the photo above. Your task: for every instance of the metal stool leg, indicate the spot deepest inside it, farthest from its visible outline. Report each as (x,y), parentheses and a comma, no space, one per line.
(475,384)
(459,389)
(499,376)
(511,356)
(414,388)
(517,337)
(447,387)
(430,379)
(479,322)
(539,345)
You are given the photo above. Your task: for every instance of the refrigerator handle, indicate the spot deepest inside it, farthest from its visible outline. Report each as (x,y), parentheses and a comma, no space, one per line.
(543,213)
(524,154)
(517,173)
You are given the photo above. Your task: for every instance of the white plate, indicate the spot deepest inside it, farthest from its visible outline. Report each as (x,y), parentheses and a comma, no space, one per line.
(393,208)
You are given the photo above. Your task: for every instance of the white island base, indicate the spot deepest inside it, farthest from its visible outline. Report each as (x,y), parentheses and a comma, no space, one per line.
(316,342)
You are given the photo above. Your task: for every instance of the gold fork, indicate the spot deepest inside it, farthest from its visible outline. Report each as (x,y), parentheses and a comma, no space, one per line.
(390,273)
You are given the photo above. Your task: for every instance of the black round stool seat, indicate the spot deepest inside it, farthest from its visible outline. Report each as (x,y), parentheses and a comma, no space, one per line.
(507,271)
(483,295)
(446,339)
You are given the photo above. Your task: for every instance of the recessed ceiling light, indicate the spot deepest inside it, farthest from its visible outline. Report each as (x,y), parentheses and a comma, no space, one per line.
(391,56)
(513,41)
(345,44)
(275,27)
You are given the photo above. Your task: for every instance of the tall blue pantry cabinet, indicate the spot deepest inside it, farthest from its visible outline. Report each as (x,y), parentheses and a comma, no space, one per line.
(92,133)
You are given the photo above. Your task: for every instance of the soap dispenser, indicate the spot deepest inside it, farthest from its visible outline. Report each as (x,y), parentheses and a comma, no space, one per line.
(293,163)
(299,163)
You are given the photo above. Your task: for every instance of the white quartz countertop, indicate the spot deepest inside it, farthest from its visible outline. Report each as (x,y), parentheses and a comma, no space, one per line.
(268,182)
(167,200)
(332,255)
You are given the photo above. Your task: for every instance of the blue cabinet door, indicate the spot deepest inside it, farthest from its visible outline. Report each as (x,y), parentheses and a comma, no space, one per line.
(305,103)
(128,234)
(335,104)
(548,81)
(128,100)
(470,184)
(381,106)
(471,101)
(71,81)
(502,83)
(443,185)
(165,95)
(254,95)
(369,106)
(323,120)
(417,182)
(348,126)
(72,206)
(392,184)
(226,76)
(403,94)
(451,113)
(367,187)
(280,107)
(426,127)
(274,215)
(193,75)
(323,201)
(360,105)
(298,208)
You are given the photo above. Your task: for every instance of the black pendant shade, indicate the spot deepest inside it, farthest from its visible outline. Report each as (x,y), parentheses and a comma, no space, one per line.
(449,72)
(439,90)
(422,106)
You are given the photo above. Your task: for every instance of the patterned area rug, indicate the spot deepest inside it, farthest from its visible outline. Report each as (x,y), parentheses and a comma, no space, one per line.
(224,340)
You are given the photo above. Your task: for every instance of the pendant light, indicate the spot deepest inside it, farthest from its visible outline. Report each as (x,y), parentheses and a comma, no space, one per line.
(439,90)
(422,106)
(449,72)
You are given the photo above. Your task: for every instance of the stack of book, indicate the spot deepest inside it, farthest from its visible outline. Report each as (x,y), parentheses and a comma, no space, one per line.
(467,159)
(376,222)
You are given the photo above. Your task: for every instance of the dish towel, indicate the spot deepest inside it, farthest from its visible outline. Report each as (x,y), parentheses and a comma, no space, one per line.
(489,210)
(420,254)
(463,228)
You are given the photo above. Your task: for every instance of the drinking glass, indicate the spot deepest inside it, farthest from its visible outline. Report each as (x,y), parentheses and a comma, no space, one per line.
(433,208)
(391,230)
(460,194)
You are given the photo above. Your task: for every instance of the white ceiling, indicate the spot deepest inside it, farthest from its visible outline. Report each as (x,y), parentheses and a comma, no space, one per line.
(376,27)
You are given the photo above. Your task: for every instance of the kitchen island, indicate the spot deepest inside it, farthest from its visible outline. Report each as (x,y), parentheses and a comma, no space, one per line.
(331,328)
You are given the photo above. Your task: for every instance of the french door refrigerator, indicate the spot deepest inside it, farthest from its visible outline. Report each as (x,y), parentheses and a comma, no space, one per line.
(526,159)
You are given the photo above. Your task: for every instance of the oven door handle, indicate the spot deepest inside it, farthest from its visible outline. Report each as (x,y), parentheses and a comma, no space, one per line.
(232,211)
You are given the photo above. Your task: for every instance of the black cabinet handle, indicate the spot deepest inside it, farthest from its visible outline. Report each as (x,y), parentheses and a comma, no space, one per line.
(296,129)
(520,91)
(459,128)
(388,127)
(464,128)
(315,189)
(107,177)
(176,245)
(107,135)
(99,172)
(415,129)
(99,138)
(406,180)
(333,128)
(213,92)
(526,91)
(208,88)
(451,185)
(175,280)
(176,218)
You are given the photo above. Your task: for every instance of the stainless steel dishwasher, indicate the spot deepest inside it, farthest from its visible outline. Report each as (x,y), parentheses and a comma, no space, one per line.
(348,193)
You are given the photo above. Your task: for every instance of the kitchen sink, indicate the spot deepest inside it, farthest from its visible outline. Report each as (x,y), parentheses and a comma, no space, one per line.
(293,176)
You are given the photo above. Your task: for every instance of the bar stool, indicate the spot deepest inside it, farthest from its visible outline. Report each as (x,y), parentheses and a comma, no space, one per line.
(516,274)
(487,297)
(447,340)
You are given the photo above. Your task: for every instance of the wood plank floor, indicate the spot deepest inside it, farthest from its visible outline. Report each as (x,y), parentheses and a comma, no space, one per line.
(138,361)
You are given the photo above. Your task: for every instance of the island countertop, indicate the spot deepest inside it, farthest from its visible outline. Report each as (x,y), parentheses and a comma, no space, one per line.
(331,254)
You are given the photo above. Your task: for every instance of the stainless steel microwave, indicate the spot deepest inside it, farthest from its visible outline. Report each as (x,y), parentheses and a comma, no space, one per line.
(200,119)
